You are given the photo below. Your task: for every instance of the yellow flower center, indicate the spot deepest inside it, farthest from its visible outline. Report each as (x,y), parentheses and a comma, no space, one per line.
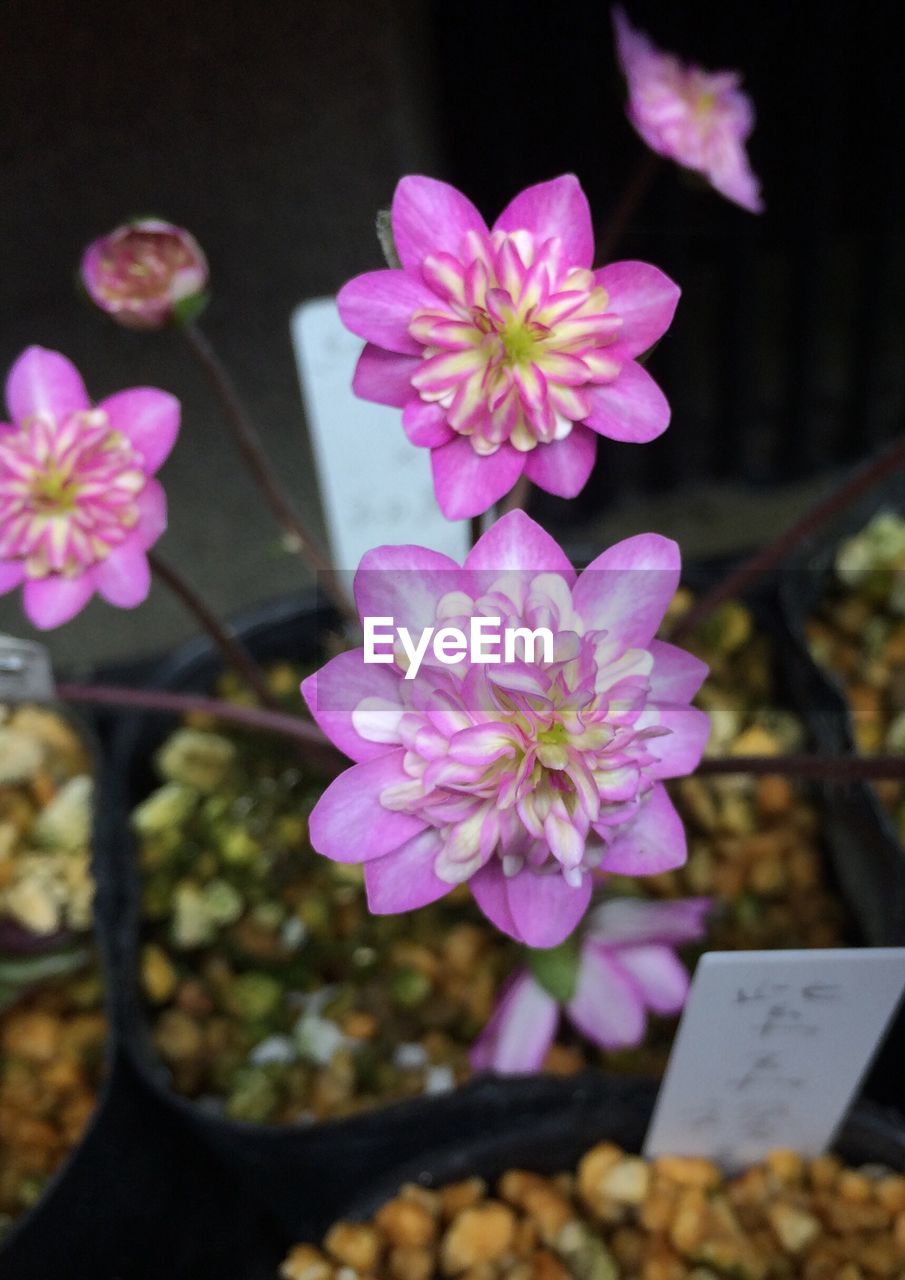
(519,343)
(54,492)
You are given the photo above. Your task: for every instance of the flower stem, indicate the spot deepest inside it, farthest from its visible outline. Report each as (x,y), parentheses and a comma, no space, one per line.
(517,497)
(251,447)
(628,204)
(165,702)
(233,651)
(827,768)
(763,561)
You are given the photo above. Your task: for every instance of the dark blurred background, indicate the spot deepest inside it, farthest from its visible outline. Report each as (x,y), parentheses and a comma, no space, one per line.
(274,131)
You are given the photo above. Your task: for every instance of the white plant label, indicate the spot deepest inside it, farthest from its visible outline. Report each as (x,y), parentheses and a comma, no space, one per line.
(375,486)
(771,1049)
(25,671)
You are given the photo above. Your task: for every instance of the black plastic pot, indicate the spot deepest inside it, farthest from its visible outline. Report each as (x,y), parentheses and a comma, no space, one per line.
(860,829)
(45,1218)
(140,1196)
(594,1109)
(272,1163)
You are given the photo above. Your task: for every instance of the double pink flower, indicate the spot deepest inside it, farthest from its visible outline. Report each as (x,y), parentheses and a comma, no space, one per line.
(627,967)
(79,506)
(700,119)
(506,351)
(524,777)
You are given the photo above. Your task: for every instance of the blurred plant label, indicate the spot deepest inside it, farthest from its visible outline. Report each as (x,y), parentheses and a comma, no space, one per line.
(771,1049)
(25,671)
(375,486)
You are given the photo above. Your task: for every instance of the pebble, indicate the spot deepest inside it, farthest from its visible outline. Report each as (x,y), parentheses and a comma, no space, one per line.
(777,1220)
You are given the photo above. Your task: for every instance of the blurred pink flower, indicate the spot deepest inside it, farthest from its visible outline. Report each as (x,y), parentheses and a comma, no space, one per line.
(506,352)
(78,505)
(519,777)
(627,967)
(700,119)
(142,271)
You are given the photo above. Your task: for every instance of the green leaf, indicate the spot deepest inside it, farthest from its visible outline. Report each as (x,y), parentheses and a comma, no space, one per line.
(19,974)
(189,309)
(556,969)
(385,236)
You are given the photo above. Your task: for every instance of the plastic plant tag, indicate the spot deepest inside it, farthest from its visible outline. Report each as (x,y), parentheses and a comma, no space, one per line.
(771,1049)
(375,486)
(25,671)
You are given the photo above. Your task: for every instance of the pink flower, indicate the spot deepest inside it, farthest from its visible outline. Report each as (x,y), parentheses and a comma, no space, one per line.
(700,119)
(627,967)
(519,777)
(505,351)
(78,506)
(141,272)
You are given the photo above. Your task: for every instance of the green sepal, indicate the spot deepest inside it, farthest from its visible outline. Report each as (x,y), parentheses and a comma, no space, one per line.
(187,310)
(556,969)
(19,974)
(385,236)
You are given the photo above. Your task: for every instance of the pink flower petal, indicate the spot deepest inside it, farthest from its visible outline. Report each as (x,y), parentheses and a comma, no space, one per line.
(425,424)
(659,975)
(405,583)
(679,752)
(11,574)
(632,45)
(333,693)
(632,409)
(124,577)
(152,514)
(404,880)
(488,886)
(645,299)
(379,306)
(349,824)
(384,376)
(563,466)
(538,909)
(147,417)
(545,909)
(606,1007)
(468,484)
(627,589)
(654,842)
(740,185)
(557,208)
(430,217)
(515,541)
(520,1032)
(43,381)
(49,602)
(629,921)
(677,674)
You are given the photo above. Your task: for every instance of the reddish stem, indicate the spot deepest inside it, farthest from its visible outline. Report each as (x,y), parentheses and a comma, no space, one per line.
(251,447)
(828,768)
(233,651)
(165,702)
(517,497)
(630,201)
(741,579)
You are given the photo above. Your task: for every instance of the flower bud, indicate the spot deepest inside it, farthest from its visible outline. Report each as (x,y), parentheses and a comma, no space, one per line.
(145,274)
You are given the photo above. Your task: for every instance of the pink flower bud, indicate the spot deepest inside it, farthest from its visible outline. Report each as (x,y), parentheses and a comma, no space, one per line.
(142,271)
